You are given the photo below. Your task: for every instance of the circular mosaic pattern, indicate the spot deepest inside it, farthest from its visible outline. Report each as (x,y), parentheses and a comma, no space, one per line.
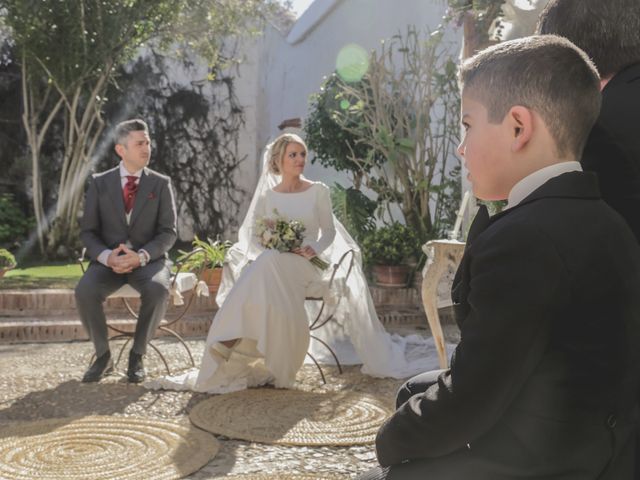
(103,447)
(293,417)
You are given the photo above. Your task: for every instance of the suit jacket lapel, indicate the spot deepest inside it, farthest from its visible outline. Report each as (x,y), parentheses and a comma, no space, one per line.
(114,186)
(479,224)
(144,189)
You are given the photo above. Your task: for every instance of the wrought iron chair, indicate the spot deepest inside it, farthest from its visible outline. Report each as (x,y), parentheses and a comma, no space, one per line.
(323,317)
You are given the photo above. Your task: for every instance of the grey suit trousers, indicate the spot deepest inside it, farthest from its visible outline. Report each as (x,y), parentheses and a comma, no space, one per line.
(152,282)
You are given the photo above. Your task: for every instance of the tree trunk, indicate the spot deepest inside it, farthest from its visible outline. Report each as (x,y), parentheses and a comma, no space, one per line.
(84,127)
(35,136)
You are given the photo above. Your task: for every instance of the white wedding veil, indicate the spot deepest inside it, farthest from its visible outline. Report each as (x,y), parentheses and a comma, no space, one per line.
(355,334)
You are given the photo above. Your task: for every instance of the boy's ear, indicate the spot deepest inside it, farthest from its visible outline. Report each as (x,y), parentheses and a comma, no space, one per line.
(520,123)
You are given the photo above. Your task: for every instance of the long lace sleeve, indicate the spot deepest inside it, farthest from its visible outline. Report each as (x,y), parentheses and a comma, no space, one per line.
(325,220)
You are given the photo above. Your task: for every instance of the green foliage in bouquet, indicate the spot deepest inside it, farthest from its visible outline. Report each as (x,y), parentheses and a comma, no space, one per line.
(211,255)
(6,259)
(284,235)
(390,245)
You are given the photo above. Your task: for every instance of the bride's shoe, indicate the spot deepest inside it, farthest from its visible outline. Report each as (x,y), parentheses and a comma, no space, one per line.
(221,352)
(246,349)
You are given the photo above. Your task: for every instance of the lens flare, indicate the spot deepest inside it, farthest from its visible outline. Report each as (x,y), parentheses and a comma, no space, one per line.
(352,63)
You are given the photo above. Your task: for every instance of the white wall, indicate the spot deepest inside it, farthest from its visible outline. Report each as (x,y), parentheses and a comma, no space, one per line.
(282,69)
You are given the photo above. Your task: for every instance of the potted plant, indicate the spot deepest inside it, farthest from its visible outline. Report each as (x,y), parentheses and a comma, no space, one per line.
(7,261)
(206,259)
(387,250)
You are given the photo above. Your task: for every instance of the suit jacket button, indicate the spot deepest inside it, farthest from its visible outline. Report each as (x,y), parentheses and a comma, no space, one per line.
(612,421)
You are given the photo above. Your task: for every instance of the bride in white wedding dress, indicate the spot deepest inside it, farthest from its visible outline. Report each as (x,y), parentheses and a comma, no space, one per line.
(260,334)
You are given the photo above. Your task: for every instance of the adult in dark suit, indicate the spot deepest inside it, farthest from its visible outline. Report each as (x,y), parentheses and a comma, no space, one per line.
(608,32)
(543,382)
(128,226)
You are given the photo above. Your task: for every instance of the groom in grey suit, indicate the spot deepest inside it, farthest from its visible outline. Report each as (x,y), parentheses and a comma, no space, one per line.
(128,226)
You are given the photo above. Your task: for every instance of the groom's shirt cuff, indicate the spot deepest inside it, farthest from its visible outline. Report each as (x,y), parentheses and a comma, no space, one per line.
(145,253)
(103,258)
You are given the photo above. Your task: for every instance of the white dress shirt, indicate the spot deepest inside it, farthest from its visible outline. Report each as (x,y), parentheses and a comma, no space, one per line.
(124,173)
(531,182)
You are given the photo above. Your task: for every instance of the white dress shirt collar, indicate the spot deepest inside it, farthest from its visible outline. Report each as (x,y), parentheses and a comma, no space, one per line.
(531,182)
(125,173)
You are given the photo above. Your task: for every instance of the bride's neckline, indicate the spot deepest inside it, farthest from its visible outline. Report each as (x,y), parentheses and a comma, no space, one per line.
(293,193)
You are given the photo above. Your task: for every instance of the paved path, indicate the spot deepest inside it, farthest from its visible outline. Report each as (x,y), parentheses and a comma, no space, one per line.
(42,381)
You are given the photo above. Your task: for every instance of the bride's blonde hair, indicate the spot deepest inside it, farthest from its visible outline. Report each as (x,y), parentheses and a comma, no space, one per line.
(278,148)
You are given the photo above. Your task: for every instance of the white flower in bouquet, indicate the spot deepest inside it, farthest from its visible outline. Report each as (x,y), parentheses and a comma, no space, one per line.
(279,233)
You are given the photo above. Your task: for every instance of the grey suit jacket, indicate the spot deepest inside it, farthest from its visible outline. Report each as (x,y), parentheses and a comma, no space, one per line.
(153,219)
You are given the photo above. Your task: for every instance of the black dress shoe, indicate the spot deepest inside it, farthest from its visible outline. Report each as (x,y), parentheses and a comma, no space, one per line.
(102,366)
(135,372)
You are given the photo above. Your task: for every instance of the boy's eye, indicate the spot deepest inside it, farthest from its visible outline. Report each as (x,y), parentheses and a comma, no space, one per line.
(466,126)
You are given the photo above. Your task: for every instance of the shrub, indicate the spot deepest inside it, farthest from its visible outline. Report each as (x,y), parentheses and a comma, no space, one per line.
(211,256)
(6,258)
(390,245)
(14,225)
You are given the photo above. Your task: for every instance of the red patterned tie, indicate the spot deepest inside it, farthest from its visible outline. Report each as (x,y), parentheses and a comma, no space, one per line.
(129,192)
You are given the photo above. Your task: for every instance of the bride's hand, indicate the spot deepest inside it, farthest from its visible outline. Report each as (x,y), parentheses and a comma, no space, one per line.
(307,252)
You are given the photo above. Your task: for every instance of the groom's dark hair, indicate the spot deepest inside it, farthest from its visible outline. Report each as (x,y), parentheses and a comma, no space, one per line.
(123,129)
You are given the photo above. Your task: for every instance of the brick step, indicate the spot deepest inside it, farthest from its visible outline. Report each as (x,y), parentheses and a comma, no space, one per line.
(58,330)
(61,302)
(55,329)
(50,314)
(15,303)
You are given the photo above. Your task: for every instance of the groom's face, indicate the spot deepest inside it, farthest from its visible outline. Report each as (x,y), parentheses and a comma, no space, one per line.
(135,151)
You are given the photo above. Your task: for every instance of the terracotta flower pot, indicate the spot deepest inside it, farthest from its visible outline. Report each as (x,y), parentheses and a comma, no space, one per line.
(395,276)
(212,277)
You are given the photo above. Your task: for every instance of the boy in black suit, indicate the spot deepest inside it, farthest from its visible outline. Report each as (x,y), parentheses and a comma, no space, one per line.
(543,382)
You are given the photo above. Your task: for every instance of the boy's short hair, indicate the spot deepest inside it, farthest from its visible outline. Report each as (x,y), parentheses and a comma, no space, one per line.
(545,73)
(607,30)
(123,129)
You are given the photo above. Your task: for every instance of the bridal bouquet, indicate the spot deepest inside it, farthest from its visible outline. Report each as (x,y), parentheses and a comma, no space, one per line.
(283,235)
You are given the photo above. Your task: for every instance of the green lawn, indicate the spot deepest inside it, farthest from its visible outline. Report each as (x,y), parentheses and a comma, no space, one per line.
(42,276)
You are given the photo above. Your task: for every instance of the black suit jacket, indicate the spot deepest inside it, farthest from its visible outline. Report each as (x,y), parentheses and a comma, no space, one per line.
(152,225)
(547,298)
(613,147)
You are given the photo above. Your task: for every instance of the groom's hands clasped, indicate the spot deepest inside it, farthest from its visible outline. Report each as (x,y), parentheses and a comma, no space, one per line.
(123,260)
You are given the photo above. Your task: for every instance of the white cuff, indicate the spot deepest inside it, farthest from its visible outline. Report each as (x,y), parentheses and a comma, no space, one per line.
(103,258)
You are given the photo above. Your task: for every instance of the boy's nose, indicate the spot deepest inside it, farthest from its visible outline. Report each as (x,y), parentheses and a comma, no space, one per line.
(461,149)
